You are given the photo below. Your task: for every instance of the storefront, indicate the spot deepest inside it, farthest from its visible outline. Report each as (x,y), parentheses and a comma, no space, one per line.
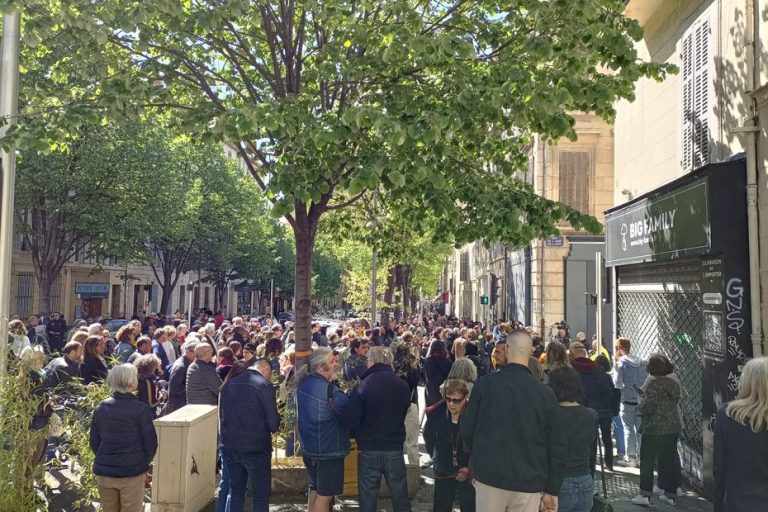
(680,279)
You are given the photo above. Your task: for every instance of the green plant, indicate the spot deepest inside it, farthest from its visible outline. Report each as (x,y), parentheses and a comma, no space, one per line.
(77,425)
(22,479)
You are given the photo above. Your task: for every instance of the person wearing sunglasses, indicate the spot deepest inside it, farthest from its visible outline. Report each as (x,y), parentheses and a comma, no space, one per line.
(450,456)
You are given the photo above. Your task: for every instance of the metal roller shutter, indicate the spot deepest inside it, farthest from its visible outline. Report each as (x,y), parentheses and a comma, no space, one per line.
(659,310)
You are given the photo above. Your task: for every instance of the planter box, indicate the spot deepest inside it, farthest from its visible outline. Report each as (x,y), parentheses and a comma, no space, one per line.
(292,481)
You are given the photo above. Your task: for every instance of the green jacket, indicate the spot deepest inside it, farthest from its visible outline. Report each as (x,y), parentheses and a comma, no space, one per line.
(658,407)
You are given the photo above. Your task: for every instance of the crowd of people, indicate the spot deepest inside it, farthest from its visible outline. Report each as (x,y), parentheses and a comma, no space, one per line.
(512,421)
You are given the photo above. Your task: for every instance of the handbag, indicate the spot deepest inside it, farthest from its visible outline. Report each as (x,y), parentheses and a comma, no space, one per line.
(601,503)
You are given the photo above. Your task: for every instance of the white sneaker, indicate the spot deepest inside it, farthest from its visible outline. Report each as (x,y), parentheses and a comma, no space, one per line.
(657,491)
(626,462)
(680,492)
(669,501)
(642,500)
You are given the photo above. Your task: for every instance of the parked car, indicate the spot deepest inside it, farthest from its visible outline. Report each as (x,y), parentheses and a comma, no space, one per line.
(286,316)
(114,324)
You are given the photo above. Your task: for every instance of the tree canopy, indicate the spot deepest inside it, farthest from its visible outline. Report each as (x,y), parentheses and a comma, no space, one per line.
(433,101)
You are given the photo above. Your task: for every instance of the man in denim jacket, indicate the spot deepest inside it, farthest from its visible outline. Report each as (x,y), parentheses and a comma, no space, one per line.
(324,436)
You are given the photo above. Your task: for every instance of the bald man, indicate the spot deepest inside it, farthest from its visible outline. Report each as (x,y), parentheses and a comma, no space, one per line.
(510,424)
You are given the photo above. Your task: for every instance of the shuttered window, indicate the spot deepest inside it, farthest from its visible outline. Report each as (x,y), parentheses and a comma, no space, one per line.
(695,61)
(24,294)
(464,267)
(575,182)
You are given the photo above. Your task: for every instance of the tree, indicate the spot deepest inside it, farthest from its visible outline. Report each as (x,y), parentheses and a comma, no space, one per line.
(85,198)
(435,102)
(239,236)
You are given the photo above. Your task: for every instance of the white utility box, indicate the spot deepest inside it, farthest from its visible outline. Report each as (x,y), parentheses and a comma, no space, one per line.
(184,475)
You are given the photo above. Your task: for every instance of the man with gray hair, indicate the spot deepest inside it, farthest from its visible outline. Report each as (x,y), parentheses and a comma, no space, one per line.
(324,437)
(177,383)
(522,472)
(376,414)
(203,382)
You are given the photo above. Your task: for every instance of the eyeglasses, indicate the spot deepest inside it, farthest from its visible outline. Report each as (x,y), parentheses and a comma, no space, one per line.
(456,401)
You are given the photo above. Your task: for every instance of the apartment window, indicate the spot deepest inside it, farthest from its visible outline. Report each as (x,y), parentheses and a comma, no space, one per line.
(696,96)
(207,298)
(575,170)
(24,294)
(182,297)
(464,267)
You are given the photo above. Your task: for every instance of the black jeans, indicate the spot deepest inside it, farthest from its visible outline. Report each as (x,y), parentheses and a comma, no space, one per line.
(605,425)
(659,451)
(446,490)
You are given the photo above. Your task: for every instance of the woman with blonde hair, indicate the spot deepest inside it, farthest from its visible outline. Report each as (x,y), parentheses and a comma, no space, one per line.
(459,348)
(741,444)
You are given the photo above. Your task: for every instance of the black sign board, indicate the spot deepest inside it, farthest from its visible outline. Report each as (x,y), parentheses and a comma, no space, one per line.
(669,226)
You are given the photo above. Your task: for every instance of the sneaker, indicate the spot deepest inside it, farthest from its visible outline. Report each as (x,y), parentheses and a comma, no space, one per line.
(626,462)
(669,501)
(680,492)
(657,491)
(642,500)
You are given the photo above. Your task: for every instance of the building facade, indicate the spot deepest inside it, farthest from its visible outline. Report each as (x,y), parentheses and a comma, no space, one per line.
(547,281)
(684,236)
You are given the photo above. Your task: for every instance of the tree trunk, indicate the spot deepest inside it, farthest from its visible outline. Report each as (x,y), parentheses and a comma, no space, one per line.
(168,285)
(304,229)
(405,287)
(388,294)
(45,281)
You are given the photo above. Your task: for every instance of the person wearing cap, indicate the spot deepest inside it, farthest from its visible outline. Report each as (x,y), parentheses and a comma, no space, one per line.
(203,383)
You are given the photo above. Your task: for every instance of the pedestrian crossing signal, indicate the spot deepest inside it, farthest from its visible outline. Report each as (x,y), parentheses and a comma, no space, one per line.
(484,299)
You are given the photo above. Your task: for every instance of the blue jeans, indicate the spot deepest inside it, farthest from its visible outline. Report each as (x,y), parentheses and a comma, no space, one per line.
(369,470)
(576,494)
(253,466)
(631,422)
(223,493)
(618,430)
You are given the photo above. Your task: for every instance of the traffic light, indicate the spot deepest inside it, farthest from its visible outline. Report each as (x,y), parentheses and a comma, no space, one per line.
(495,285)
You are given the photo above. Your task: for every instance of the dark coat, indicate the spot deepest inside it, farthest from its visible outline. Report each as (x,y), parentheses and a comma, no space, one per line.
(441,438)
(436,370)
(94,369)
(376,410)
(59,374)
(122,437)
(177,385)
(511,426)
(598,386)
(248,413)
(740,466)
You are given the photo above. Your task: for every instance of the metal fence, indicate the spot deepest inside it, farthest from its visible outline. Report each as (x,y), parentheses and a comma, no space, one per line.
(671,323)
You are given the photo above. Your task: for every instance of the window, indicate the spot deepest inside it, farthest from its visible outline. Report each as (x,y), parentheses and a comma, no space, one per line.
(207,298)
(695,63)
(464,267)
(182,297)
(24,294)
(575,182)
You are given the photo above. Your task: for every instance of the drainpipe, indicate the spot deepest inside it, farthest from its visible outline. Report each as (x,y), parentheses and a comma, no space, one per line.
(542,242)
(750,131)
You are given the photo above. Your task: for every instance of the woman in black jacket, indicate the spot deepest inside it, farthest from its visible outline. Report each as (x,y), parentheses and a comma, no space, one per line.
(449,454)
(124,441)
(741,444)
(94,368)
(436,368)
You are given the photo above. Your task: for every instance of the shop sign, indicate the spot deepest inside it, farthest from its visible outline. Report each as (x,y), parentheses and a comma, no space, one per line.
(92,289)
(673,225)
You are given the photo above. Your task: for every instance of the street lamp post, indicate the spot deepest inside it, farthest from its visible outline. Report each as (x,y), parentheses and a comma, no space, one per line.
(9,97)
